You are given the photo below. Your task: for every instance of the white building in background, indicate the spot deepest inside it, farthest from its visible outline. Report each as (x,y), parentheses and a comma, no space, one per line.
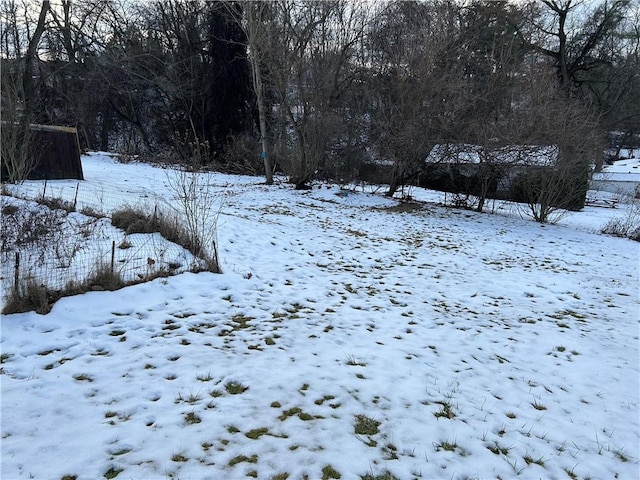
(623,177)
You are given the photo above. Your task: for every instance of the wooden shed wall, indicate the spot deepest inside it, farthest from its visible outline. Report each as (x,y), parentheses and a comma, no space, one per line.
(60,157)
(58,151)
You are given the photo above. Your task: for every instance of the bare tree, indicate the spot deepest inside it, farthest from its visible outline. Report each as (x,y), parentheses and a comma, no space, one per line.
(570,132)
(308,62)
(19,49)
(571,32)
(252,18)
(416,92)
(19,152)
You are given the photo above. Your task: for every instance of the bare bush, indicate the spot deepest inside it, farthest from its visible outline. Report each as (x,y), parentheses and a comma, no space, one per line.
(549,193)
(104,278)
(25,227)
(134,220)
(196,210)
(242,155)
(28,296)
(627,226)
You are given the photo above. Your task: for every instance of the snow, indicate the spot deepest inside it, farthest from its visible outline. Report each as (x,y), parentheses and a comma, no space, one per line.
(485,345)
(622,177)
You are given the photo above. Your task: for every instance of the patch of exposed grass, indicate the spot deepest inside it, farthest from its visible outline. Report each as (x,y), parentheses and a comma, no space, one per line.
(289,413)
(296,411)
(235,388)
(620,455)
(538,406)
(113,472)
(445,412)
(179,457)
(383,476)
(120,451)
(325,398)
(191,418)
(329,472)
(571,472)
(240,321)
(446,446)
(498,449)
(562,314)
(243,458)
(529,460)
(390,451)
(233,429)
(191,399)
(83,377)
(365,425)
(355,362)
(257,433)
(204,378)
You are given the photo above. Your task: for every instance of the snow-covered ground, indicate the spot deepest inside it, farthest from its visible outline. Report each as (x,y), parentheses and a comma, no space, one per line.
(348,335)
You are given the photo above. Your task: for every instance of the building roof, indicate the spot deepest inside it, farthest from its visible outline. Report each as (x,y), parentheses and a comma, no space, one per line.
(532,155)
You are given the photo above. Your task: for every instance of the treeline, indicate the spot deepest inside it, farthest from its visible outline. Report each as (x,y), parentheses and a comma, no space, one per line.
(324,88)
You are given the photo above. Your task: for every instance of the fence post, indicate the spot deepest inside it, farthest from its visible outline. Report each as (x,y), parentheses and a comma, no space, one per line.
(75,198)
(16,273)
(113,254)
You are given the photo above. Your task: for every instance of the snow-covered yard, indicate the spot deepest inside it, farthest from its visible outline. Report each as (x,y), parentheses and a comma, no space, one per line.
(349,336)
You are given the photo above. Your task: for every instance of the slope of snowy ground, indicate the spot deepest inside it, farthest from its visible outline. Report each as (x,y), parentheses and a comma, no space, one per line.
(348,335)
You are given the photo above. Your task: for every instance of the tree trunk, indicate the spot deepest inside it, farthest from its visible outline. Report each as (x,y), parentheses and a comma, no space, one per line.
(262,114)
(27,81)
(397,178)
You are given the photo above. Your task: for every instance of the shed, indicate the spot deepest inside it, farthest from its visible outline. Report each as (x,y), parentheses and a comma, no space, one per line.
(58,151)
(461,168)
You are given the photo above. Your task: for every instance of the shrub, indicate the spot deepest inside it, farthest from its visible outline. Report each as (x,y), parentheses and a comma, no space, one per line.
(27,296)
(627,226)
(134,221)
(56,203)
(196,208)
(189,227)
(26,227)
(242,155)
(105,279)
(549,193)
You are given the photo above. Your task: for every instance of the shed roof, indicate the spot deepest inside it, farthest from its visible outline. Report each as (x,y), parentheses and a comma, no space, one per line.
(532,155)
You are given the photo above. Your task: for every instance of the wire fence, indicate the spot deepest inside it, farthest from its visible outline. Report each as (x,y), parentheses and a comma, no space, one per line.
(78,243)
